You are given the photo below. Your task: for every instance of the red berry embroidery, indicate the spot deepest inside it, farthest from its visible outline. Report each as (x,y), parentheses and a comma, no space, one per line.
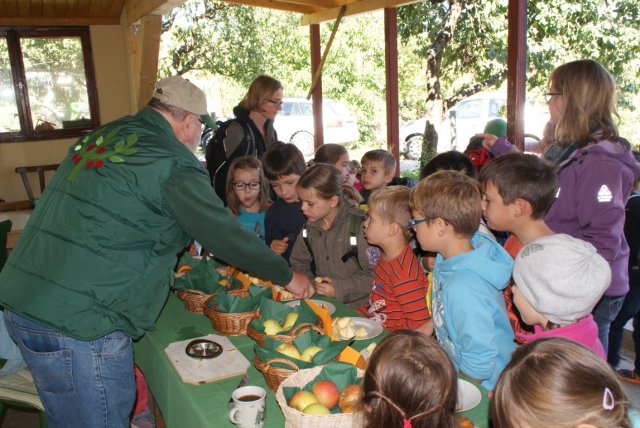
(90,164)
(75,158)
(99,163)
(90,147)
(101,149)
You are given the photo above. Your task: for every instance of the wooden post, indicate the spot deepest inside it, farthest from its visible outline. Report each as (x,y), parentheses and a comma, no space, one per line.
(318,71)
(517,71)
(317,88)
(391,75)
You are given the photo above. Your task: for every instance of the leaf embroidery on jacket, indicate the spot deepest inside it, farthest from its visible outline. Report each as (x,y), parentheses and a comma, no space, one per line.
(95,148)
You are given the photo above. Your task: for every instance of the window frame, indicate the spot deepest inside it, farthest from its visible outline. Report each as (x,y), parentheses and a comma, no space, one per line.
(12,36)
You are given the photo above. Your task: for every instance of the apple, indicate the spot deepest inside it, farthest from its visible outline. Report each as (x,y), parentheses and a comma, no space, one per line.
(301,400)
(290,320)
(351,398)
(326,392)
(271,327)
(289,350)
(309,353)
(316,409)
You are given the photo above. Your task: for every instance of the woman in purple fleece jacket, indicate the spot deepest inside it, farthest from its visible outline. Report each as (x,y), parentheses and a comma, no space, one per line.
(596,172)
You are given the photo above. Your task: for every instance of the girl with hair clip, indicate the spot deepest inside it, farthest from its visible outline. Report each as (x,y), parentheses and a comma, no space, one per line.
(248,193)
(596,172)
(410,383)
(336,155)
(559,383)
(331,246)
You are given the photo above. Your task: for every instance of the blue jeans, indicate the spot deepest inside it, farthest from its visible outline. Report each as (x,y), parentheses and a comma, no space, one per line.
(630,309)
(81,383)
(604,314)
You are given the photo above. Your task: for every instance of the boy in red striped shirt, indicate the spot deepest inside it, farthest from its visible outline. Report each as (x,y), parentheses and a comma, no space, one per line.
(398,295)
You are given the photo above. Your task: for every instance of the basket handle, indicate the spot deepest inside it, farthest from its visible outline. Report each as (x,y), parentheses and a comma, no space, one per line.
(194,291)
(297,330)
(289,363)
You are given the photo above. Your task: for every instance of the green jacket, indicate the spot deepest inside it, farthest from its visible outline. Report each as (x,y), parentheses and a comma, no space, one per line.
(98,252)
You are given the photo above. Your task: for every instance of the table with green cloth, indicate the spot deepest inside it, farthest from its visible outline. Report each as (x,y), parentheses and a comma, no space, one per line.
(186,405)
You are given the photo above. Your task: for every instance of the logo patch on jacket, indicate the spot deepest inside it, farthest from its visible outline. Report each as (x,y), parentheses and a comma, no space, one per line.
(373,255)
(604,194)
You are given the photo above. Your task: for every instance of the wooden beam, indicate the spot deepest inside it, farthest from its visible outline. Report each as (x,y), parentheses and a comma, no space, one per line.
(318,3)
(318,70)
(54,22)
(316,101)
(137,9)
(278,5)
(151,31)
(517,63)
(391,75)
(356,8)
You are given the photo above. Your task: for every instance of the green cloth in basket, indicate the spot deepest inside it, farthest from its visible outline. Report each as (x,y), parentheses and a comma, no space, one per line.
(342,374)
(330,349)
(230,304)
(202,276)
(270,309)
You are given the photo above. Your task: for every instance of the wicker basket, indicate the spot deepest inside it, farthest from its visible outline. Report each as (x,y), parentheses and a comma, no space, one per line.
(193,299)
(230,324)
(275,375)
(295,332)
(295,419)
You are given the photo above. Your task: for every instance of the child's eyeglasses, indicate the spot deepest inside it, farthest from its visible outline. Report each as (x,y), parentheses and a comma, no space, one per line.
(411,224)
(254,185)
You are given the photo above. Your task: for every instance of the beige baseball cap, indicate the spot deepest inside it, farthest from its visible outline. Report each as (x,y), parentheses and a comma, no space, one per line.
(180,92)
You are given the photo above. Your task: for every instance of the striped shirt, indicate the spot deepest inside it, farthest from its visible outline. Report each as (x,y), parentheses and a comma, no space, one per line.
(398,295)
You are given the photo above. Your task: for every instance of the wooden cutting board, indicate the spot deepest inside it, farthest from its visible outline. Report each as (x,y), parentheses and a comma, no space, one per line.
(200,370)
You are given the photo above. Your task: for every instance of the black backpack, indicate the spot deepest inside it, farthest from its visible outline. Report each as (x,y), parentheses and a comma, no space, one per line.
(218,159)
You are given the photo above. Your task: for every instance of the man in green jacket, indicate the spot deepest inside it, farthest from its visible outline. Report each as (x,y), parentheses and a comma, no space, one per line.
(93,265)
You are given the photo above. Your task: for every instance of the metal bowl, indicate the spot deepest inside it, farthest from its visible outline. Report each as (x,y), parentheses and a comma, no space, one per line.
(202,348)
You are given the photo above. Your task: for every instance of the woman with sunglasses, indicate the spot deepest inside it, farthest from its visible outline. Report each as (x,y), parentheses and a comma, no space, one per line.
(251,133)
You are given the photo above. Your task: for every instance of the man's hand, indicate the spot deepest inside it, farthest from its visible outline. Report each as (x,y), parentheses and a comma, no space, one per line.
(300,286)
(279,246)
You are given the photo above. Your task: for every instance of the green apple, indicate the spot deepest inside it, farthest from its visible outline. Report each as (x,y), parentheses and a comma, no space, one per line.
(309,353)
(290,320)
(302,399)
(271,327)
(289,350)
(316,409)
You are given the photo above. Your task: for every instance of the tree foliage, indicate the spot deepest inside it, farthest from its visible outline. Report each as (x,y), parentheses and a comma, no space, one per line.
(449,49)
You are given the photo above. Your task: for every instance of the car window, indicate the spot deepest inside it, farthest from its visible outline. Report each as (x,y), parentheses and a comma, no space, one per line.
(306,109)
(287,108)
(496,107)
(469,109)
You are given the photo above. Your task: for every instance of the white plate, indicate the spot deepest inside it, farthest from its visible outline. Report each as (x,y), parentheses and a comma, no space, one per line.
(373,328)
(328,306)
(469,395)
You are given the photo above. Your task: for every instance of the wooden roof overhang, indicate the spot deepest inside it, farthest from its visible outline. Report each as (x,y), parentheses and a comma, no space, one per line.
(145,40)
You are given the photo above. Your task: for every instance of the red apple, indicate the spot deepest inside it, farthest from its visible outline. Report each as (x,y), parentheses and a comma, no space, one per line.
(351,399)
(301,400)
(326,392)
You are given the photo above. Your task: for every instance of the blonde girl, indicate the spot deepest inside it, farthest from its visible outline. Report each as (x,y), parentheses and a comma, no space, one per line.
(324,249)
(336,155)
(410,382)
(248,193)
(559,383)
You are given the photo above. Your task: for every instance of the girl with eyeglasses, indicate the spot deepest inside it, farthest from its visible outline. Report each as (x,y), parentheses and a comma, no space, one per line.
(248,193)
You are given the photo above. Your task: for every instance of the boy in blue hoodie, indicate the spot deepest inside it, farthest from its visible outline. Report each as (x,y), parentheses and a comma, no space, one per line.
(471,270)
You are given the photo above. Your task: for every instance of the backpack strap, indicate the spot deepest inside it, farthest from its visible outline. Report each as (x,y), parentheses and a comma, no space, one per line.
(305,239)
(355,221)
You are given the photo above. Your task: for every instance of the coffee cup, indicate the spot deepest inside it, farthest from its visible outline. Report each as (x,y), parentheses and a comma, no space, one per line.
(248,407)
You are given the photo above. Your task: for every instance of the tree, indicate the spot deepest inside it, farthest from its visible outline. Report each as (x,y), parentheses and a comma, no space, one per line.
(464,46)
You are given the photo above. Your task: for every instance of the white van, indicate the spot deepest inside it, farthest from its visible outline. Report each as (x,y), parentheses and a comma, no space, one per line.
(294,123)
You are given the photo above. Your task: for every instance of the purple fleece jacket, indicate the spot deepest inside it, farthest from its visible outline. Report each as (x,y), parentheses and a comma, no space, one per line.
(594,185)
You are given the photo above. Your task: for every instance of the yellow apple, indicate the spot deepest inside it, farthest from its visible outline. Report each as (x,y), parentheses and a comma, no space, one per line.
(271,327)
(289,350)
(316,409)
(290,320)
(309,353)
(301,400)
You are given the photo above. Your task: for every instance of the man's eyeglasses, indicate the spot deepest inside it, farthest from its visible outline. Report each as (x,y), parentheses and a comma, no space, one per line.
(411,224)
(254,185)
(274,102)
(549,95)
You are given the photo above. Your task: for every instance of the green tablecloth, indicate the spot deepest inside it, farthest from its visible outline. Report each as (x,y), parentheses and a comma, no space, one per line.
(185,405)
